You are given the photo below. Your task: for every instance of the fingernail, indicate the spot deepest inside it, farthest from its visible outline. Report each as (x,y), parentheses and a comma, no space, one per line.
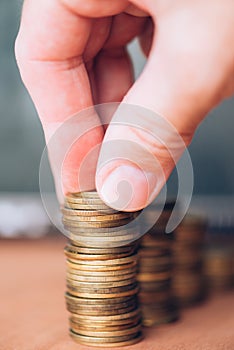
(126,187)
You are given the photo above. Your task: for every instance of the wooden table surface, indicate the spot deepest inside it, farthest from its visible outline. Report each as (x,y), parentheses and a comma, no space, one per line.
(33,314)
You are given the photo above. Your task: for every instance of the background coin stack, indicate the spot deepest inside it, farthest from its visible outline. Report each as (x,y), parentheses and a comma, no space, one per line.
(155,271)
(218,268)
(188,279)
(101,273)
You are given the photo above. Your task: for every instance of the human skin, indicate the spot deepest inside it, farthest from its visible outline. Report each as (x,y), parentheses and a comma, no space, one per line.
(72,55)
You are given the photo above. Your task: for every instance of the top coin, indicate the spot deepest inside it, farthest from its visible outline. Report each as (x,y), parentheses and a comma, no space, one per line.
(86,194)
(84,197)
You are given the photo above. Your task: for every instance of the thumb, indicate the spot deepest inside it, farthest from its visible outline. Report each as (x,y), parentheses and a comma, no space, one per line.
(142,146)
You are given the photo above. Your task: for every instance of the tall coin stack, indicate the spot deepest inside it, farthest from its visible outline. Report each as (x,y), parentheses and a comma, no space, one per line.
(155,271)
(101,272)
(188,280)
(218,267)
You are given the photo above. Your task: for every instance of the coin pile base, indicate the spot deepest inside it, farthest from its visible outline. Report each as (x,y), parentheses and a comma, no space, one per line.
(101,279)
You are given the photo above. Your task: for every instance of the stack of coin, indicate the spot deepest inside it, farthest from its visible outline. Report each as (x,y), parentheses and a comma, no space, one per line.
(218,268)
(91,223)
(155,272)
(101,273)
(188,281)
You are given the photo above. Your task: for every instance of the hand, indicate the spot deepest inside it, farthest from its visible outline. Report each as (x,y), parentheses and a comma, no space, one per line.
(72,54)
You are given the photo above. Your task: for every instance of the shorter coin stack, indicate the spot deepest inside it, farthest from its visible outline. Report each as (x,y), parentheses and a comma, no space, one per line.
(188,280)
(218,268)
(155,273)
(101,276)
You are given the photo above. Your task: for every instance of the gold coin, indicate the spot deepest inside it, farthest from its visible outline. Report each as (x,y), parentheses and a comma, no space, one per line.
(98,241)
(104,231)
(69,224)
(106,321)
(87,212)
(84,199)
(72,285)
(100,311)
(111,241)
(85,194)
(84,204)
(94,257)
(98,333)
(109,262)
(104,327)
(83,238)
(107,318)
(97,218)
(86,341)
(100,303)
(95,269)
(88,301)
(97,251)
(101,276)
(104,272)
(100,244)
(89,257)
(99,307)
(108,324)
(108,339)
(99,285)
(109,312)
(130,226)
(94,278)
(103,295)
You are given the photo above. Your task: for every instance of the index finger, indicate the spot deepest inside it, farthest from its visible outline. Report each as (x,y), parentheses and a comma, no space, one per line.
(49,50)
